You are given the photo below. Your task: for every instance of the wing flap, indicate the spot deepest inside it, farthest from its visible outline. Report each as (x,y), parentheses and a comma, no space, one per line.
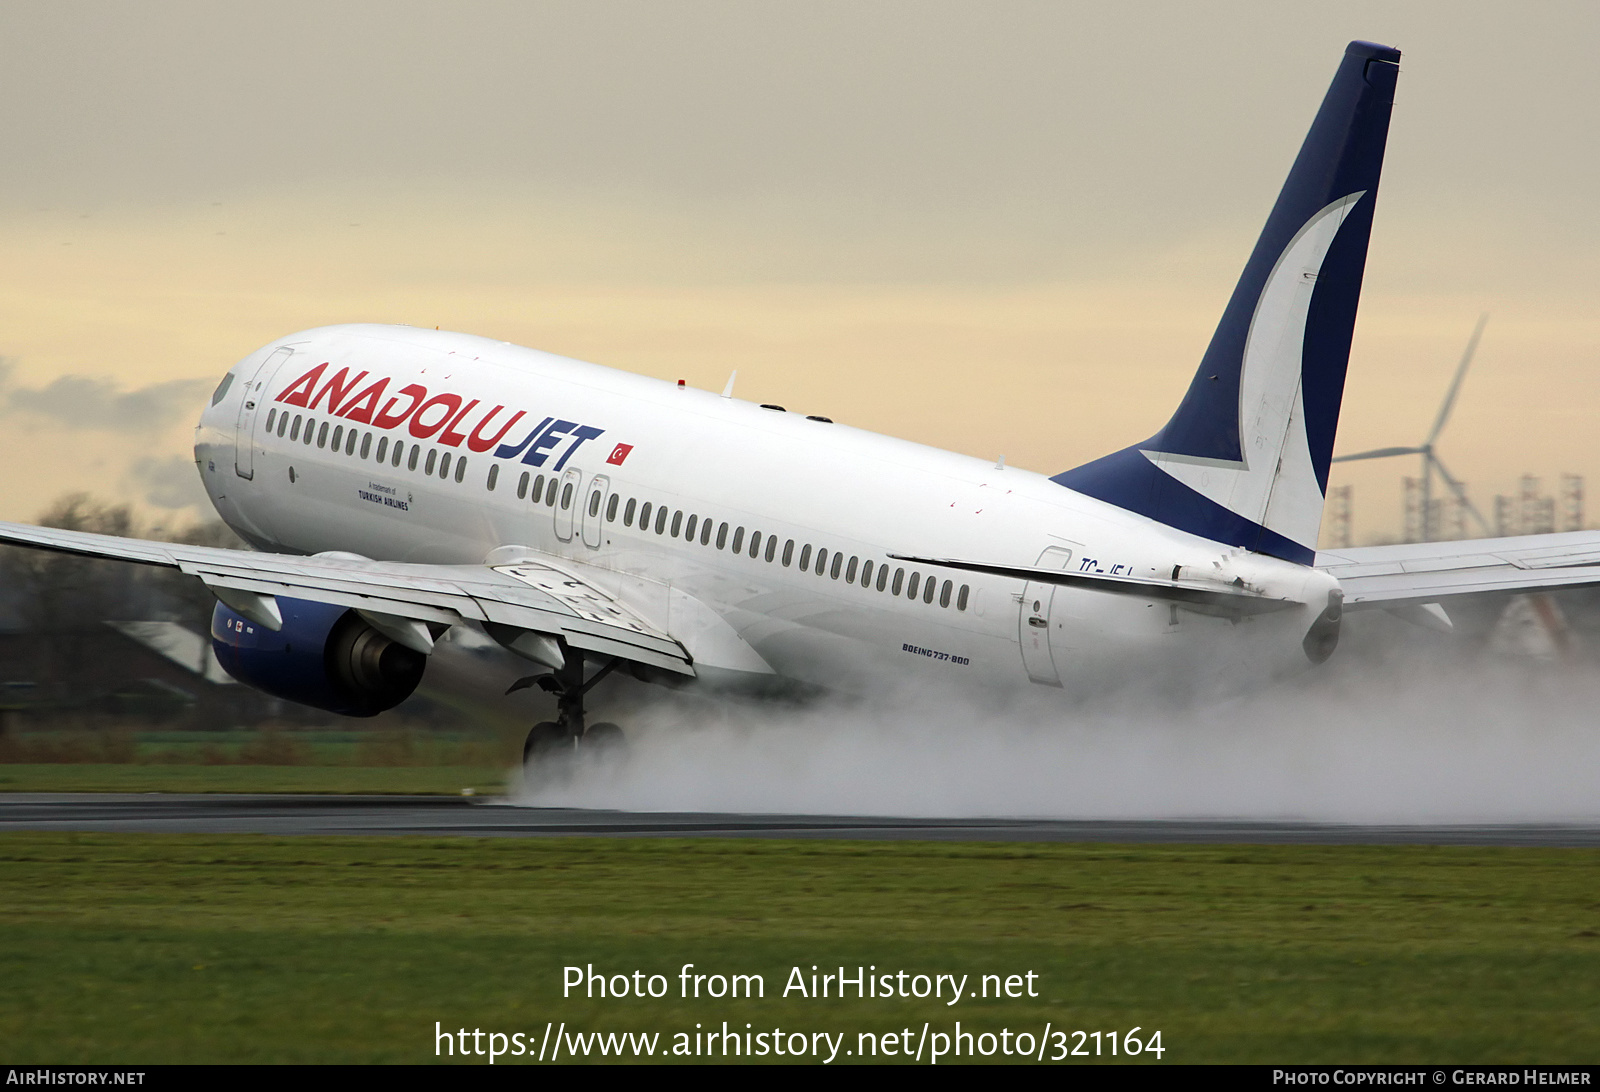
(332,592)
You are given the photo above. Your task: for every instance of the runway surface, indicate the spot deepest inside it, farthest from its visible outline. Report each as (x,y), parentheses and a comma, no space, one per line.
(455,816)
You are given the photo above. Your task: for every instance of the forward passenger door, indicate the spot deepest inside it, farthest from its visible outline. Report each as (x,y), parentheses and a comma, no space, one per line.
(244,426)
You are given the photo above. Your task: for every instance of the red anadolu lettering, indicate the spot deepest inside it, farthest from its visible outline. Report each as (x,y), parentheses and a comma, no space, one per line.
(298,393)
(450,437)
(478,442)
(420,428)
(360,407)
(388,419)
(335,389)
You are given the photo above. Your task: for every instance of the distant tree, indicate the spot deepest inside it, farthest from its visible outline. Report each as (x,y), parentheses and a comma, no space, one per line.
(60,598)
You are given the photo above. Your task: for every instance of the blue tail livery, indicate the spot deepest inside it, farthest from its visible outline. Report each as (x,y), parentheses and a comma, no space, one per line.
(1244,460)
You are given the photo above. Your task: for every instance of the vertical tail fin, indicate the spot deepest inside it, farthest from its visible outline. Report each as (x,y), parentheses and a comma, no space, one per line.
(1244,460)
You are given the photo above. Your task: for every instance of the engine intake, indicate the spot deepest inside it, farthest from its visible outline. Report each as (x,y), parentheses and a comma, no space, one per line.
(325,656)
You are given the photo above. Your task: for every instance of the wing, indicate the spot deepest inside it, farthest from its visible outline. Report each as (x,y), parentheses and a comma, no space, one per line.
(1418,572)
(527,592)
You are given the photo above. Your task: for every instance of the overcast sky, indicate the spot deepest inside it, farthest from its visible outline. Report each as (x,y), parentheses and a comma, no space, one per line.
(998,227)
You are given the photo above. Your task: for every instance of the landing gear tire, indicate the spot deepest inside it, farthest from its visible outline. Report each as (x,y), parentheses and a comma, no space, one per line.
(553,747)
(603,742)
(547,756)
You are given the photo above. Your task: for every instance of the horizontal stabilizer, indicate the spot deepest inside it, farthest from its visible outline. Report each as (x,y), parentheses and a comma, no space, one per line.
(1422,572)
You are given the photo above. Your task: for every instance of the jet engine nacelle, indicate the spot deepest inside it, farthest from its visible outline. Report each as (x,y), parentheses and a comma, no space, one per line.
(325,656)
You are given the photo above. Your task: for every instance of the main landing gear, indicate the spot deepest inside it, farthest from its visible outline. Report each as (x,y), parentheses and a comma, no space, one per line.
(553,747)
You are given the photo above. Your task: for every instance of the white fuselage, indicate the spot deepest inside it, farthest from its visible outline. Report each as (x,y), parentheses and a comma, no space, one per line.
(613,442)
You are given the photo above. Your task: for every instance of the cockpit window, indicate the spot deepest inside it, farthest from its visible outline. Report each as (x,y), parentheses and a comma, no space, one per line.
(222,389)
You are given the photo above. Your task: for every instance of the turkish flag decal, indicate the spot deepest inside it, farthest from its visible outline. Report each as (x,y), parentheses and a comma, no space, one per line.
(619,453)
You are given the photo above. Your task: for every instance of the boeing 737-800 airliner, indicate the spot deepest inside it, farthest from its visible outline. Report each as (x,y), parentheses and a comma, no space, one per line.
(398,482)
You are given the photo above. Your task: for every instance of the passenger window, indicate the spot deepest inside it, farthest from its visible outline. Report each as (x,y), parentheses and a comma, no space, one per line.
(661,519)
(866,574)
(705,533)
(722,536)
(772,545)
(822,560)
(444,465)
(788,552)
(350,443)
(594,504)
(677,523)
(322,435)
(294,431)
(522,485)
(611,508)
(494,476)
(338,436)
(911,589)
(416,451)
(644,517)
(755,543)
(627,513)
(899,580)
(883,576)
(805,557)
(738,540)
(944,594)
(550,493)
(928,590)
(850,571)
(399,450)
(566,497)
(366,445)
(272,415)
(961,600)
(283,424)
(688,532)
(461,469)
(433,459)
(838,560)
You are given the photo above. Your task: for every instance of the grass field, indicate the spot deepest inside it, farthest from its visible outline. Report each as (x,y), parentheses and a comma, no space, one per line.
(118,759)
(124,948)
(128,777)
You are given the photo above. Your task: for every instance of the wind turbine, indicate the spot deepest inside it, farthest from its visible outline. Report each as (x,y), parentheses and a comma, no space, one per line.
(1430,459)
